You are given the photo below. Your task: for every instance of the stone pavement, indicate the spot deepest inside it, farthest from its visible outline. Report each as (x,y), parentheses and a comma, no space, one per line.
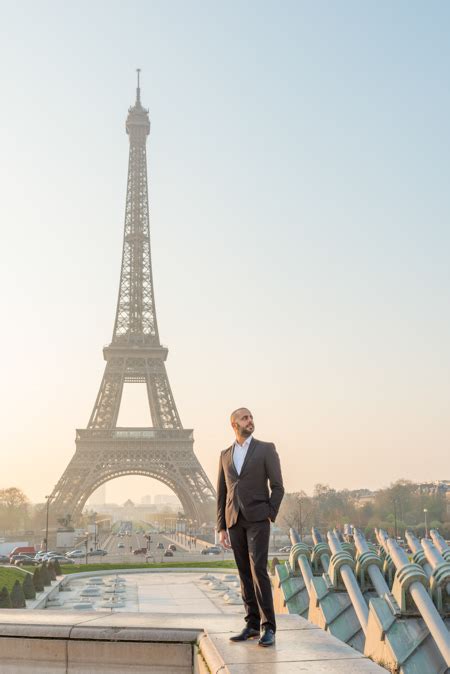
(44,642)
(171,622)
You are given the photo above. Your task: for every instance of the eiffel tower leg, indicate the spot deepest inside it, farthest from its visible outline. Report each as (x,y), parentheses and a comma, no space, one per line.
(67,494)
(162,403)
(107,405)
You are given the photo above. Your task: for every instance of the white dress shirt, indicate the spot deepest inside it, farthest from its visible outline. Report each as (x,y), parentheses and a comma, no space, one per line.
(239,454)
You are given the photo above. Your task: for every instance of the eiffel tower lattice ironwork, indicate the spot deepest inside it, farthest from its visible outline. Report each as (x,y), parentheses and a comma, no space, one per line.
(165,451)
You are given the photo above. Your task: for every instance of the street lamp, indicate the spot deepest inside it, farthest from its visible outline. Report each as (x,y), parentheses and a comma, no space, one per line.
(395,518)
(46,522)
(425,510)
(195,524)
(86,542)
(189,533)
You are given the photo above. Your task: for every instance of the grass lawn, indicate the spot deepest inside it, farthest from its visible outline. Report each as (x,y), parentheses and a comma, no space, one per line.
(9,576)
(76,568)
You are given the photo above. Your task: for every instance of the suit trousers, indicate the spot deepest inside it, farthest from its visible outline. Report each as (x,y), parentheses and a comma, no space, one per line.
(250,543)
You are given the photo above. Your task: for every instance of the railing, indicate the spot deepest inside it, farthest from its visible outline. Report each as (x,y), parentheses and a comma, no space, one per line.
(161,434)
(419,594)
(381,603)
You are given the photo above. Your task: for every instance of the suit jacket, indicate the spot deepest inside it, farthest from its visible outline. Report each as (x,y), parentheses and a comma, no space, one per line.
(249,491)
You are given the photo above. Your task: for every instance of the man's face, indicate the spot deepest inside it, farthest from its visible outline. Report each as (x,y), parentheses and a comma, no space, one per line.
(243,423)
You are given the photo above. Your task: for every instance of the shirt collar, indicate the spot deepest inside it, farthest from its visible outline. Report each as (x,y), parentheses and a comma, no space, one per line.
(245,444)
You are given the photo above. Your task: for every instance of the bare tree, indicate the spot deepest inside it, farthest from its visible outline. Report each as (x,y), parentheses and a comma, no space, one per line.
(14,506)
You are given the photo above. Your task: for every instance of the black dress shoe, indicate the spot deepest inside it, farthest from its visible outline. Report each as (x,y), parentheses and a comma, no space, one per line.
(267,637)
(247,633)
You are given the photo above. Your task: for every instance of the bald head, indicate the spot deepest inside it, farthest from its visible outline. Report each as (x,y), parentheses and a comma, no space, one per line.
(237,413)
(242,423)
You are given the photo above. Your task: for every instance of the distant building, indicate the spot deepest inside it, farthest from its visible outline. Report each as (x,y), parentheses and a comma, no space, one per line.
(362,496)
(134,511)
(167,499)
(435,487)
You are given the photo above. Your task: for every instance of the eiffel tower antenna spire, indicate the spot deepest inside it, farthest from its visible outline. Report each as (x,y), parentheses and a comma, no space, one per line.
(164,451)
(138,90)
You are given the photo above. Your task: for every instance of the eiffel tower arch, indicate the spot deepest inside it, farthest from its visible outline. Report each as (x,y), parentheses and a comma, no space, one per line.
(164,451)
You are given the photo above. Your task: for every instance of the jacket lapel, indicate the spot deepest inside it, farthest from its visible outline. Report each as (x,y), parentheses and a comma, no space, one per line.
(250,450)
(230,460)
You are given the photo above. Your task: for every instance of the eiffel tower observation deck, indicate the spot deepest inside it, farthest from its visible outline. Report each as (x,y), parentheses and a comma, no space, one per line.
(164,451)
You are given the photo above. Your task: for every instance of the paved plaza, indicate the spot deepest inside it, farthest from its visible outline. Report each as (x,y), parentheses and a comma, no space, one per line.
(161,592)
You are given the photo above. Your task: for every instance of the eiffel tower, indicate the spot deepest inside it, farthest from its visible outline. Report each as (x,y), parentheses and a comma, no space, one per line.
(164,451)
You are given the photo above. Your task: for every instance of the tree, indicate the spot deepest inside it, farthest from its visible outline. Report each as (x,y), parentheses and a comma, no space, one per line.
(332,508)
(394,508)
(13,509)
(28,587)
(51,570)
(5,599)
(17,596)
(401,506)
(13,498)
(57,567)
(295,512)
(37,580)
(45,575)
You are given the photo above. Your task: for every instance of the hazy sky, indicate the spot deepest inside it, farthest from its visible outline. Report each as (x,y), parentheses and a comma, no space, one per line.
(300,208)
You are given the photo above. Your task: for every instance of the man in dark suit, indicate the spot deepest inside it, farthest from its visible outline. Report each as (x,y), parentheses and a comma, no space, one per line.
(245,508)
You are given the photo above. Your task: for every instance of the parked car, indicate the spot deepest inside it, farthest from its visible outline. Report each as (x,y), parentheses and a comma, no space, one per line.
(98,552)
(21,559)
(140,551)
(62,559)
(168,553)
(42,554)
(212,550)
(21,555)
(160,546)
(120,545)
(74,554)
(286,548)
(172,547)
(39,553)
(25,549)
(48,557)
(4,559)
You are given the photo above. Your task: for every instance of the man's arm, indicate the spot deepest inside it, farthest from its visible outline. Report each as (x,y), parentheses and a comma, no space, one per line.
(221,498)
(275,478)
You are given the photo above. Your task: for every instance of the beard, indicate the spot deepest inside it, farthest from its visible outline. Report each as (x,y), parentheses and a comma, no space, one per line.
(245,431)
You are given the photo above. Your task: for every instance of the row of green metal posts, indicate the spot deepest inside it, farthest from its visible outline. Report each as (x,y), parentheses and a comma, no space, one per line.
(398,625)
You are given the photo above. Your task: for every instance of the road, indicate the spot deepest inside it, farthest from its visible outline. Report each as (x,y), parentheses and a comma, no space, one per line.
(120,550)
(120,547)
